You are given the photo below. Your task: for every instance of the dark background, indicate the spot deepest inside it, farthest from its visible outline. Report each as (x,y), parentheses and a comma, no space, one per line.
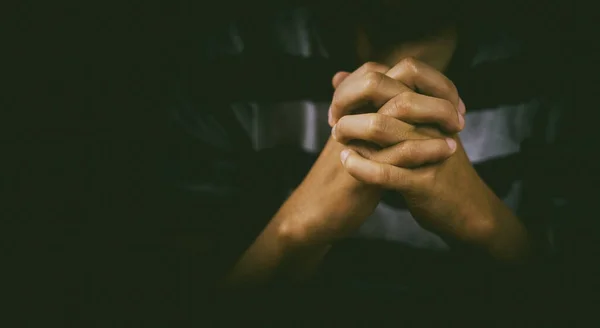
(86,234)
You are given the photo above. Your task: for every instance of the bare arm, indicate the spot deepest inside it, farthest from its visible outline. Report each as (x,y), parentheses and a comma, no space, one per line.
(508,239)
(276,254)
(328,205)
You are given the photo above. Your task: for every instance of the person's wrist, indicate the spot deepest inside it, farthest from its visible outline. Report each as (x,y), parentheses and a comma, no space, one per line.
(481,222)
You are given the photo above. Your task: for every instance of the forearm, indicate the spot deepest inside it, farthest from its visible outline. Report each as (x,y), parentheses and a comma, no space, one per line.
(328,205)
(510,240)
(503,236)
(278,253)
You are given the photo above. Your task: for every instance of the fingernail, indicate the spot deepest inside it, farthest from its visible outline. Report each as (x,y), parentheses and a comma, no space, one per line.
(344,155)
(461,121)
(461,106)
(451,143)
(333,132)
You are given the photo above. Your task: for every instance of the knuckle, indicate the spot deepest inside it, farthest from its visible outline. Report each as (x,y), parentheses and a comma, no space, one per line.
(448,88)
(372,81)
(376,125)
(371,66)
(335,102)
(402,103)
(411,64)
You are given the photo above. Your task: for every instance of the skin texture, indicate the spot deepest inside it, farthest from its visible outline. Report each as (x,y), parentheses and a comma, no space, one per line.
(393,127)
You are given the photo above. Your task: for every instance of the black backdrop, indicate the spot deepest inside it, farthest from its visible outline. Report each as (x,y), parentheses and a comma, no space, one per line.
(85,222)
